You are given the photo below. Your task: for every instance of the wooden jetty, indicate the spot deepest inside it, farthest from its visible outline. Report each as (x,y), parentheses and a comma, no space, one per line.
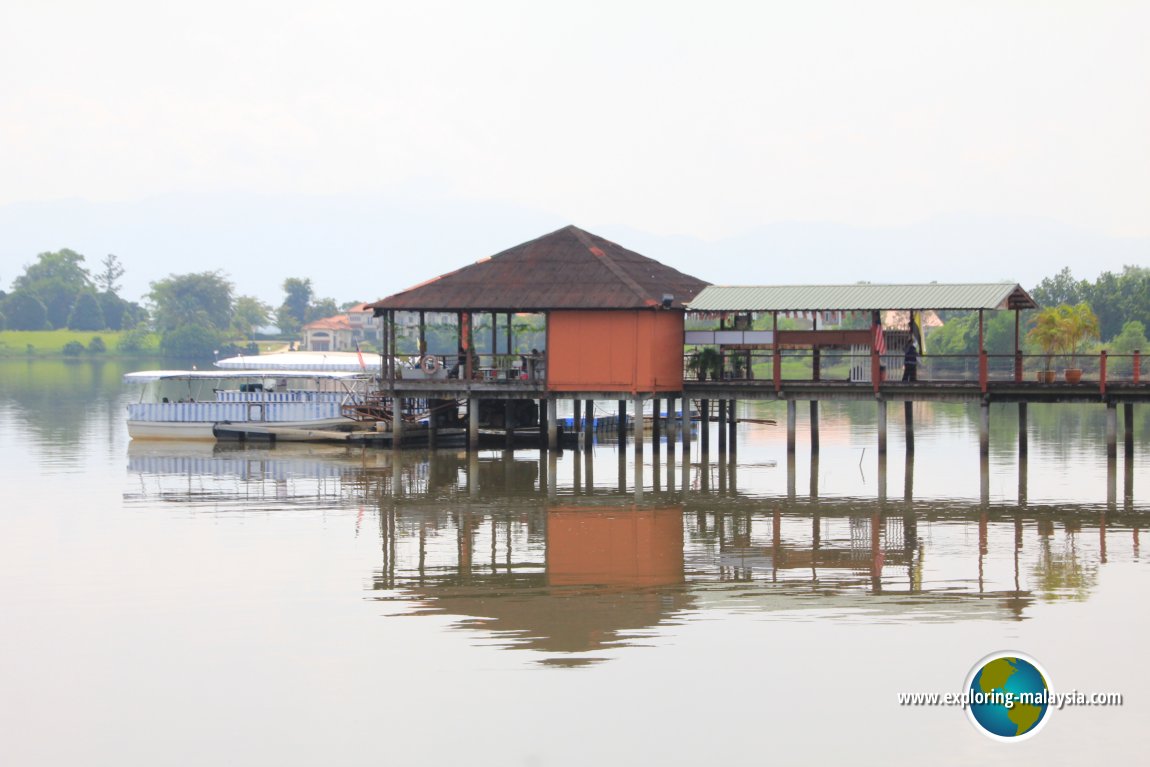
(616,331)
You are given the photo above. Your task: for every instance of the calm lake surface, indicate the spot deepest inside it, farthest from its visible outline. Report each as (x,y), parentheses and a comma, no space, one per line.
(187,604)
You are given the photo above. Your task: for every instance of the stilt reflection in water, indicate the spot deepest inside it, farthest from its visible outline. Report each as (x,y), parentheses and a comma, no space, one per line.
(571,579)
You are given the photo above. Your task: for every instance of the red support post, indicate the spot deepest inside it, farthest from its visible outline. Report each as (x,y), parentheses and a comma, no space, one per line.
(1018,366)
(983,371)
(1137,365)
(1102,374)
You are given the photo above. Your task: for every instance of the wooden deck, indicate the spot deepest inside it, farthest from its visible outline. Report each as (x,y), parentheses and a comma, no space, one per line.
(894,391)
(923,391)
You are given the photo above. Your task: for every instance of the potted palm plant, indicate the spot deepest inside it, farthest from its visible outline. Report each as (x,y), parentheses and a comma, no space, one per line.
(1047,334)
(706,361)
(1079,324)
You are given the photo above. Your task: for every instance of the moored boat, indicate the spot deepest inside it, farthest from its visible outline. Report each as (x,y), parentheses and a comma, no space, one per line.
(189,404)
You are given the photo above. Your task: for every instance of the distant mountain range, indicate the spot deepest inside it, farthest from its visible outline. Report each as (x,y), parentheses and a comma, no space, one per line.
(366,247)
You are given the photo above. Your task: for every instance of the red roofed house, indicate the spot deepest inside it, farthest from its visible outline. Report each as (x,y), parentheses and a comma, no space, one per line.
(614,318)
(331,334)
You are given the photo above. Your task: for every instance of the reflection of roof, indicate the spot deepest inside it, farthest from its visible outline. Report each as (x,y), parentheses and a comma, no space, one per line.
(338,322)
(530,615)
(567,269)
(865,297)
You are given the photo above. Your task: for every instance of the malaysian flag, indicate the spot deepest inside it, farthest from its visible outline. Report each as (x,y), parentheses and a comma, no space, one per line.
(879,342)
(362,364)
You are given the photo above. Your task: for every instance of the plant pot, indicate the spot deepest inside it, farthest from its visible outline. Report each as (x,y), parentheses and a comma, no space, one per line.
(1045,376)
(1073,375)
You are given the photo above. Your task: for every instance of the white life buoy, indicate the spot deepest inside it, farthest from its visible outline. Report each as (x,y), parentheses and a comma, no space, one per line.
(429,364)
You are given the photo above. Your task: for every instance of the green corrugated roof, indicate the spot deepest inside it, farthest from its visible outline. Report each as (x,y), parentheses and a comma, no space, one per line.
(810,298)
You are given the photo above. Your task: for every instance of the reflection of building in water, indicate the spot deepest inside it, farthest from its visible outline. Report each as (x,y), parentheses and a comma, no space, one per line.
(558,578)
(588,546)
(477,537)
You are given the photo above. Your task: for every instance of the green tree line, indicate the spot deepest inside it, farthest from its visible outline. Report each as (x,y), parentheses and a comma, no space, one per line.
(1120,301)
(58,292)
(200,313)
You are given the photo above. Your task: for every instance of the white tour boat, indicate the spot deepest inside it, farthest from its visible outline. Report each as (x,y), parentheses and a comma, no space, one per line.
(190,404)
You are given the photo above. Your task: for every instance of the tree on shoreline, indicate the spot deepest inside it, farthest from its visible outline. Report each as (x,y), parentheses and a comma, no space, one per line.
(25,312)
(292,313)
(108,279)
(202,298)
(250,313)
(86,313)
(56,279)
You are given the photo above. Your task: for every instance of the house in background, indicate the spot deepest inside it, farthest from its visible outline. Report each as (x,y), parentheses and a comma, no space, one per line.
(330,334)
(365,326)
(341,332)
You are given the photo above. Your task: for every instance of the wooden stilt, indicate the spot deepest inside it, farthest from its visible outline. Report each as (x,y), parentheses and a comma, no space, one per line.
(1111,429)
(473,424)
(577,418)
(814,474)
(908,417)
(1023,446)
(552,425)
(589,425)
(705,426)
(685,427)
(984,428)
(722,427)
(984,478)
(621,454)
(732,424)
(791,475)
(908,479)
(882,427)
(792,422)
(1128,429)
(552,466)
(473,474)
(640,429)
(814,426)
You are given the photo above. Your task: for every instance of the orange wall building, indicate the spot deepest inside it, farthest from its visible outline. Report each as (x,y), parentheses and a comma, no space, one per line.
(615,351)
(614,317)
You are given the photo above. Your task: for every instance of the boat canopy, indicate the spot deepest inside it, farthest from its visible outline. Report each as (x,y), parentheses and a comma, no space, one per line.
(327,361)
(147,376)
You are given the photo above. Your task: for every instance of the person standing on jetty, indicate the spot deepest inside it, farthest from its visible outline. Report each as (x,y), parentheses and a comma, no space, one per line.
(910,362)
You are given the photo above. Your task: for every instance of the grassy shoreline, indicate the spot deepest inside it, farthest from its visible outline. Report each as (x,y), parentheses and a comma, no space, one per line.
(51,343)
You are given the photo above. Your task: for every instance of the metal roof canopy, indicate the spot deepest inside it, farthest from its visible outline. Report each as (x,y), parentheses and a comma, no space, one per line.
(147,376)
(861,297)
(321,361)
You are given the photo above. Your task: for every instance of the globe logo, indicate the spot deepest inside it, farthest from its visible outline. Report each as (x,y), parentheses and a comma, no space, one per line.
(1009,696)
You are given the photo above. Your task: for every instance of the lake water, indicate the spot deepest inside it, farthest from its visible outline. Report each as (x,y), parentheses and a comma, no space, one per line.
(186,604)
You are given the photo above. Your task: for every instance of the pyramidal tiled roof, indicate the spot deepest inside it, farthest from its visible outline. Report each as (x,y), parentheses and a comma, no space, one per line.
(566,269)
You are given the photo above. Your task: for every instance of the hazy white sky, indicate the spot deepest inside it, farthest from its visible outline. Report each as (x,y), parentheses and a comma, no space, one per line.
(699,119)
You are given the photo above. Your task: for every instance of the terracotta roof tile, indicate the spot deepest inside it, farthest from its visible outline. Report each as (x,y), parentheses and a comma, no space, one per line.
(566,269)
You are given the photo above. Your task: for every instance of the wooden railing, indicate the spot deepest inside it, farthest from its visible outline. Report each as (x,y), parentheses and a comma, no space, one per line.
(491,368)
(779,366)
